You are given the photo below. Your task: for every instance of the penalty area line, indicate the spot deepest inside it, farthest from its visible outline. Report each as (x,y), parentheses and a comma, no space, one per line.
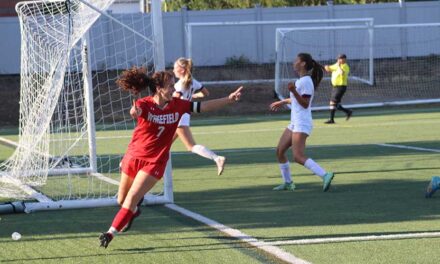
(270,249)
(409,147)
(354,239)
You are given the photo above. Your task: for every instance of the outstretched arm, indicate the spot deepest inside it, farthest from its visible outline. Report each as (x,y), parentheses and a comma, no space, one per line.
(215,104)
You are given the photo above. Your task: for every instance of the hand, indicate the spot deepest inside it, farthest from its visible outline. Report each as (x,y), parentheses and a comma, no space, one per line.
(235,96)
(135,112)
(275,106)
(291,87)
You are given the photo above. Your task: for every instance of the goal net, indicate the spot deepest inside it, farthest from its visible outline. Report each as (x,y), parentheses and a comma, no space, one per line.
(324,44)
(399,66)
(74,121)
(243,51)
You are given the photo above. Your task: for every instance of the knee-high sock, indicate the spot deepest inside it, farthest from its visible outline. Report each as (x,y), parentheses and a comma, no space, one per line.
(314,167)
(332,112)
(204,152)
(121,219)
(285,172)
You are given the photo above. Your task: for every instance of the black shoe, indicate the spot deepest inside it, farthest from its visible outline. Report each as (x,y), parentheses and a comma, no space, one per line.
(349,114)
(105,239)
(329,122)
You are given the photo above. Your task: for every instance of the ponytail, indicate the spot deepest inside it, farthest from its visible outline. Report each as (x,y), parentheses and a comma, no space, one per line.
(317,73)
(187,65)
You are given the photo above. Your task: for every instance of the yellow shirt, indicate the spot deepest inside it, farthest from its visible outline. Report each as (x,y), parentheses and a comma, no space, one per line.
(339,77)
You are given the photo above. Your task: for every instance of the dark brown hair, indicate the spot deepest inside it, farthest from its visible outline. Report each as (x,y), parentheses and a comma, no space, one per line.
(135,80)
(312,66)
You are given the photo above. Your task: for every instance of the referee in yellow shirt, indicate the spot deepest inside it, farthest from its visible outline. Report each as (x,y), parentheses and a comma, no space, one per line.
(340,71)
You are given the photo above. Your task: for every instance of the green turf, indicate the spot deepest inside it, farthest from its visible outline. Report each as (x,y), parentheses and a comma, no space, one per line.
(377,191)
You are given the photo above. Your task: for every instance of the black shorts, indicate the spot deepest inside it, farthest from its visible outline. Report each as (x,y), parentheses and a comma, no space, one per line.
(337,93)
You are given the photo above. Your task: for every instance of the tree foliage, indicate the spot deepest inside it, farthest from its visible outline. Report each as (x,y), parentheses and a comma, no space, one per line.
(175,5)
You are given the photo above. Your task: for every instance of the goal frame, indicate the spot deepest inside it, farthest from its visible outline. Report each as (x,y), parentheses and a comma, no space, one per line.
(281,32)
(46,203)
(190,26)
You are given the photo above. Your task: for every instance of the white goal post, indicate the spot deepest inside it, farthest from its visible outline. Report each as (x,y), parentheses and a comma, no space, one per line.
(74,120)
(324,44)
(232,41)
(393,64)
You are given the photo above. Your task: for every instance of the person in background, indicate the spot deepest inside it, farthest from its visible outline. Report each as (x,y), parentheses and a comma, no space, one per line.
(188,88)
(339,71)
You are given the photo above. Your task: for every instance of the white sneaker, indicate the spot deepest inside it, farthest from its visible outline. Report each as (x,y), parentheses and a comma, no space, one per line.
(220,161)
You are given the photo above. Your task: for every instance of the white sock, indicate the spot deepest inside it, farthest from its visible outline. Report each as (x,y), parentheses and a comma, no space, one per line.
(285,172)
(112,231)
(204,152)
(315,168)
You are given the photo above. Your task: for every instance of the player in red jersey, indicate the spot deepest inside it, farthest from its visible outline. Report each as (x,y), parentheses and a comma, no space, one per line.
(157,118)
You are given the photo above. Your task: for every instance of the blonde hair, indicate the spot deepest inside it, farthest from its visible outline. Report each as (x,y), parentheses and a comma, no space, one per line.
(187,65)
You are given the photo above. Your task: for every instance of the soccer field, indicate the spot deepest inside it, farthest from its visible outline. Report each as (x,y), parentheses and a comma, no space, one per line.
(383,160)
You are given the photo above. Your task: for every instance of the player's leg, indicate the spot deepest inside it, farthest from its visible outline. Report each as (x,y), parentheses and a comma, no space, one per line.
(284,144)
(142,183)
(187,139)
(298,146)
(129,168)
(433,186)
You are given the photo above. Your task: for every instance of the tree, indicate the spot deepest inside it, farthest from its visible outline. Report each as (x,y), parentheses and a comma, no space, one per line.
(175,5)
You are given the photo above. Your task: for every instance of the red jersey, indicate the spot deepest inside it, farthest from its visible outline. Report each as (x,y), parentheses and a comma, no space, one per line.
(153,135)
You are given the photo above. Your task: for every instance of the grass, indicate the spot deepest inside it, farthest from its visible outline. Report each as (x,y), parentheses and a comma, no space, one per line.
(377,191)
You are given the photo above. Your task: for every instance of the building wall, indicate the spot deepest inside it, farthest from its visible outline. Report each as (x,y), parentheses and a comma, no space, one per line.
(255,43)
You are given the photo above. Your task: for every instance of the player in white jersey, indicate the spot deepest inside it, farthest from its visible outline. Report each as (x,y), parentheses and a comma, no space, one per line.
(188,88)
(301,123)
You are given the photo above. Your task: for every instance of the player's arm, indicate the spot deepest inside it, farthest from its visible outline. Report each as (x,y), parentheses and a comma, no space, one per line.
(275,106)
(201,93)
(303,100)
(215,104)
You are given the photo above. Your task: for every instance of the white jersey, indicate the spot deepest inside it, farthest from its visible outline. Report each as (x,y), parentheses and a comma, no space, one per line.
(187,94)
(300,116)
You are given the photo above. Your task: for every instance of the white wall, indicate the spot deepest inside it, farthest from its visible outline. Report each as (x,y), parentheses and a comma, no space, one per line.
(259,42)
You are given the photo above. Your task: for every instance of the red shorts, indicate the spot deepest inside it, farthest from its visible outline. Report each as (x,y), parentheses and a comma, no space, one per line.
(131,166)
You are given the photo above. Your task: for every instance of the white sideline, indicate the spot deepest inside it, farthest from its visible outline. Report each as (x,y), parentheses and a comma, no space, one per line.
(354,239)
(409,147)
(272,250)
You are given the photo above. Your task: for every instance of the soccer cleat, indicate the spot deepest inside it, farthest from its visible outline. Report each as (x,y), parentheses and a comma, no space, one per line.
(220,161)
(105,239)
(349,114)
(329,121)
(136,214)
(287,186)
(433,186)
(328,177)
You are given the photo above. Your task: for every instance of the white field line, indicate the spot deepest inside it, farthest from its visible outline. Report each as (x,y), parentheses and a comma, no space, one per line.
(353,239)
(272,250)
(11,143)
(409,147)
(8,143)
